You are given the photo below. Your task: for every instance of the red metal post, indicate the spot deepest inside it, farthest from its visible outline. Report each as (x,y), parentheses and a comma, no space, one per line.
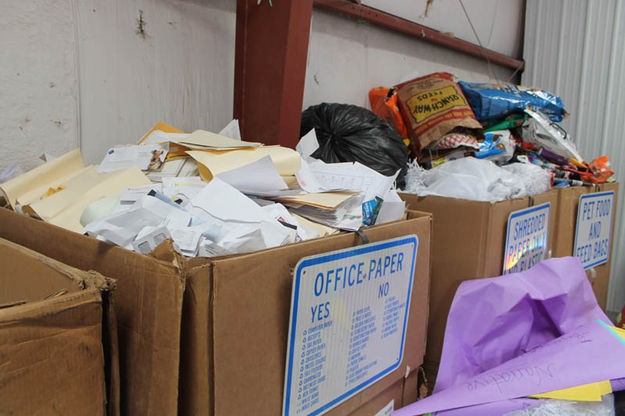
(270,68)
(381,18)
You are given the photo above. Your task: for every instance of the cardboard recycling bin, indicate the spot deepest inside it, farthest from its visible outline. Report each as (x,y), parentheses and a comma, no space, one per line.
(58,349)
(566,229)
(209,336)
(468,240)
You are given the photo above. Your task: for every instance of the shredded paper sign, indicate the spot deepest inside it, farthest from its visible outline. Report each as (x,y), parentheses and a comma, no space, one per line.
(527,238)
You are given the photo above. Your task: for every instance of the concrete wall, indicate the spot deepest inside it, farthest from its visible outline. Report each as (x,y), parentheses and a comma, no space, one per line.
(178,70)
(96,73)
(38,80)
(83,73)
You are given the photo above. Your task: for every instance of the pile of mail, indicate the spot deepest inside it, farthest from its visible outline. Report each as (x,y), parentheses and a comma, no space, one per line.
(211,194)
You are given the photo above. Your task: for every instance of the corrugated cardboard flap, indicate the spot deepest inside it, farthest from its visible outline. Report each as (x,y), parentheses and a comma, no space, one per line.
(53,356)
(148,303)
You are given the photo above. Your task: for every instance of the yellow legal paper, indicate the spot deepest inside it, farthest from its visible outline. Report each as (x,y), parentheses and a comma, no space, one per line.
(619,331)
(40,192)
(103,185)
(291,181)
(204,140)
(162,127)
(287,161)
(585,393)
(175,151)
(325,200)
(42,175)
(321,229)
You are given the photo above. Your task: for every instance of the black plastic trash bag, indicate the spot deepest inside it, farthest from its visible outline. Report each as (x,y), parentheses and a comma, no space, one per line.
(348,133)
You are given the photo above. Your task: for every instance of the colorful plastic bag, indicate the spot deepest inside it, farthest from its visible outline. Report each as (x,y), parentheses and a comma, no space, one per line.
(493,101)
(433,106)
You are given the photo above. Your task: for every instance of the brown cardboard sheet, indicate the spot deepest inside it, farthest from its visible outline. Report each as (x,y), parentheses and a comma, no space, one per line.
(57,344)
(148,306)
(250,318)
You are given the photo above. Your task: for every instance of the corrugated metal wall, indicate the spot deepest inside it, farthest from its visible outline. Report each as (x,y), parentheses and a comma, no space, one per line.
(575,49)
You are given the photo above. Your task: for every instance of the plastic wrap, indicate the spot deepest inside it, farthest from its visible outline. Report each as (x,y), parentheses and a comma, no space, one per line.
(497,146)
(542,133)
(478,180)
(570,408)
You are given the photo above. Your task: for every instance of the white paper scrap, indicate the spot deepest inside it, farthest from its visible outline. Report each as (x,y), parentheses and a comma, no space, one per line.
(146,242)
(260,176)
(224,202)
(186,240)
(132,194)
(308,144)
(159,136)
(141,156)
(232,130)
(392,209)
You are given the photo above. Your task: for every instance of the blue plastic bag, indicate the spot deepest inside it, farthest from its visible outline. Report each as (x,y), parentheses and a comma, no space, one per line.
(492,101)
(498,146)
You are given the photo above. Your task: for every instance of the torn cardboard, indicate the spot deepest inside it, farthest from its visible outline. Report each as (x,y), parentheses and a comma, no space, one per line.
(58,343)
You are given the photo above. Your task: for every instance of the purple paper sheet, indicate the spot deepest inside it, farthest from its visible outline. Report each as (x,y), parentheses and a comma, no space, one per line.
(588,354)
(618,384)
(493,409)
(494,320)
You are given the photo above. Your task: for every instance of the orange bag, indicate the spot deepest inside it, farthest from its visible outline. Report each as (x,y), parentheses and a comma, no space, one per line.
(384,104)
(601,170)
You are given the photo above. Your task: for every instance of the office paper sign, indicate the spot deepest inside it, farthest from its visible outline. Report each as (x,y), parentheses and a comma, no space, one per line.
(593,232)
(526,239)
(349,311)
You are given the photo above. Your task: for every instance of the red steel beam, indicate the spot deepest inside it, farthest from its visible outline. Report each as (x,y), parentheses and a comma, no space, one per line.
(398,24)
(270,68)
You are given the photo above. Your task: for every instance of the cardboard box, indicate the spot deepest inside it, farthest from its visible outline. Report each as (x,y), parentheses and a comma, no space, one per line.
(53,323)
(467,243)
(389,398)
(209,336)
(566,220)
(400,394)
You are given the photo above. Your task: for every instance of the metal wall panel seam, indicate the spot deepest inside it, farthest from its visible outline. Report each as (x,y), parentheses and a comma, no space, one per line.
(582,87)
(581,61)
(613,52)
(563,20)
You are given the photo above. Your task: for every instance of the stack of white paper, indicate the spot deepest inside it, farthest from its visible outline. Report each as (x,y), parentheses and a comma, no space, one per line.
(217,219)
(345,216)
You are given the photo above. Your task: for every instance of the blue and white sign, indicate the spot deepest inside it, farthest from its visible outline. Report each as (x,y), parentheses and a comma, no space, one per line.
(593,232)
(527,238)
(349,310)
